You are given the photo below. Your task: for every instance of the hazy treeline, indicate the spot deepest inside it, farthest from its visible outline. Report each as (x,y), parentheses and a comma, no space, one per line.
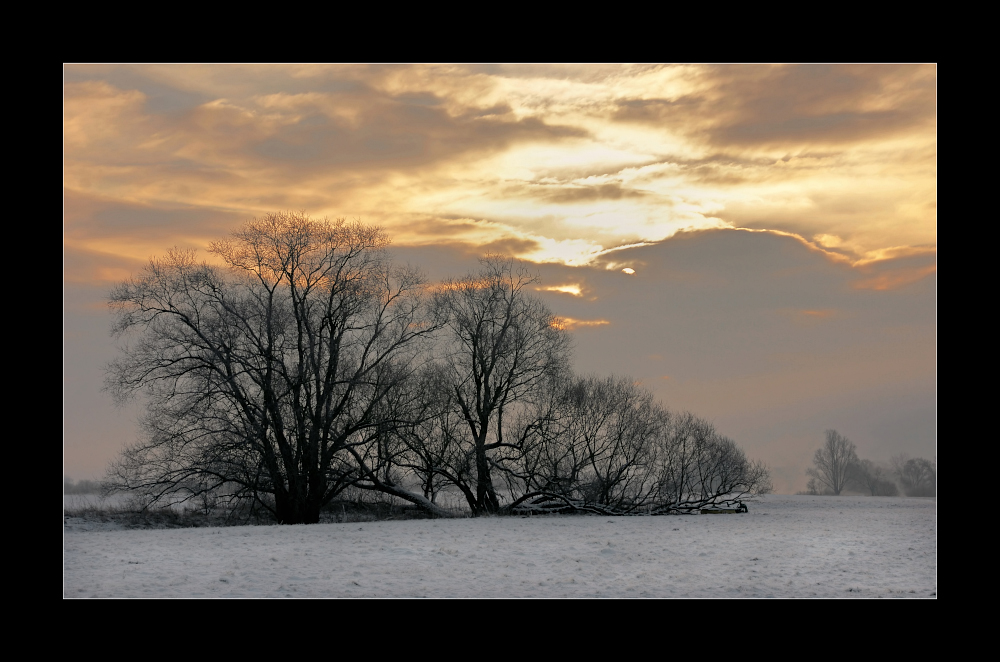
(311,364)
(837,467)
(81,486)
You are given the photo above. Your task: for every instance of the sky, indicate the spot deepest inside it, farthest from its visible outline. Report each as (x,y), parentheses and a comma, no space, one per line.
(755,243)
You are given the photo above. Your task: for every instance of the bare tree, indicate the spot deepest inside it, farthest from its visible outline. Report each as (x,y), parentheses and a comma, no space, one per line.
(699,468)
(917,476)
(277,375)
(835,463)
(436,452)
(607,447)
(875,478)
(501,348)
(590,446)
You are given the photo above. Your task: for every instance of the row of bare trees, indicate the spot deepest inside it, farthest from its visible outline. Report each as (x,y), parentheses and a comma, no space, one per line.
(837,467)
(591,444)
(308,363)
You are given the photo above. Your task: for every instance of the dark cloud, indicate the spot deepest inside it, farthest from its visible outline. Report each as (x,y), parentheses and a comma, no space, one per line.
(419,99)
(658,111)
(911,269)
(587,72)
(178,87)
(451,258)
(497,110)
(282,126)
(397,132)
(95,218)
(161,96)
(795,105)
(509,246)
(440,228)
(833,127)
(438,262)
(767,337)
(571,194)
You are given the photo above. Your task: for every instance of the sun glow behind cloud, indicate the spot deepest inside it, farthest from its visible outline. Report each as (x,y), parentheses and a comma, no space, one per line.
(573,289)
(550,163)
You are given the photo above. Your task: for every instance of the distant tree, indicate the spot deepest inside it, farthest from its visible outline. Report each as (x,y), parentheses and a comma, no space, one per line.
(917,476)
(812,488)
(80,486)
(875,478)
(835,464)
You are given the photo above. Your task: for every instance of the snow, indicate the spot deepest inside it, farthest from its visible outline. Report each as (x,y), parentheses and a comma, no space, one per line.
(785,547)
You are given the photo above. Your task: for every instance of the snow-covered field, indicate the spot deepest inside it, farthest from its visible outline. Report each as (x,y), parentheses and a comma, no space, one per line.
(785,547)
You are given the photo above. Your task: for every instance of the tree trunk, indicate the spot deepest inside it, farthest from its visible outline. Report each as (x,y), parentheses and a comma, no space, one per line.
(293,507)
(486,497)
(416,499)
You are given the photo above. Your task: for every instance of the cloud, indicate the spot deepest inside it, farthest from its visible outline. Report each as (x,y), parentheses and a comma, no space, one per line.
(895,278)
(818,314)
(793,106)
(570,324)
(94,267)
(240,149)
(574,194)
(588,157)
(895,267)
(508,246)
(119,233)
(572,288)
(763,334)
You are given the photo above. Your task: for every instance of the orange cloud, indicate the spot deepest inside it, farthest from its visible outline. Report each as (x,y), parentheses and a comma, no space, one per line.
(572,288)
(570,324)
(556,163)
(809,317)
(894,279)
